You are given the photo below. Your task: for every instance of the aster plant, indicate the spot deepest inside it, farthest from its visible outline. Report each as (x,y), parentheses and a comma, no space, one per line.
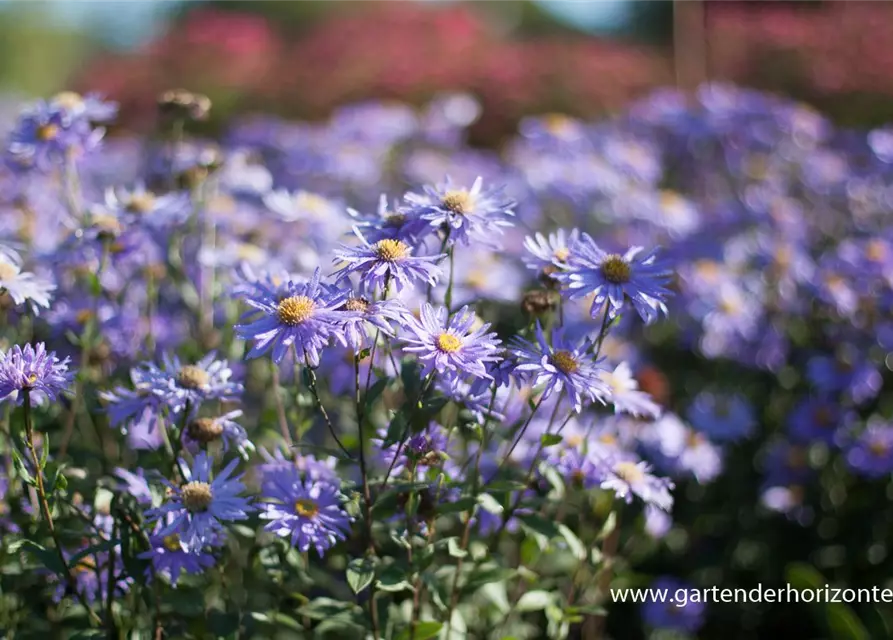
(210,431)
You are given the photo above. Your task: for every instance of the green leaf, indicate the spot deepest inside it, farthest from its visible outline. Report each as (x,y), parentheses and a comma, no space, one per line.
(375,392)
(49,559)
(534,601)
(277,620)
(550,439)
(844,624)
(21,469)
(609,526)
(423,631)
(44,451)
(491,574)
(324,608)
(573,542)
(462,504)
(543,530)
(490,503)
(393,579)
(455,550)
(397,430)
(505,486)
(360,573)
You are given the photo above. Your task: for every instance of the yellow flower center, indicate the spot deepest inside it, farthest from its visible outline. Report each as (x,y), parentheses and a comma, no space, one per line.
(8,271)
(205,430)
(459,202)
(172,542)
(629,472)
(107,225)
(141,203)
(192,377)
(357,304)
(295,310)
(32,378)
(391,250)
(573,441)
(616,270)
(306,507)
(68,99)
(562,254)
(878,449)
(565,362)
(196,496)
(448,343)
(557,123)
(47,132)
(87,563)
(876,251)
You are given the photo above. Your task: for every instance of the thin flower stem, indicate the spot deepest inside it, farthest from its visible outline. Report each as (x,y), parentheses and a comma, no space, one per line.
(110,590)
(127,518)
(448,296)
(603,332)
(280,407)
(314,391)
(47,515)
(507,515)
(405,435)
(466,533)
(367,494)
(609,551)
(521,432)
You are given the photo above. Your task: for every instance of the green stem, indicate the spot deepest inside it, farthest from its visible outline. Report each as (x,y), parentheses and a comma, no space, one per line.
(45,510)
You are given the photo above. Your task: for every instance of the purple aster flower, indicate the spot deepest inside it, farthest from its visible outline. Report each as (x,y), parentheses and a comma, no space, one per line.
(627,478)
(816,419)
(136,485)
(180,385)
(90,107)
(613,278)
(366,315)
(475,398)
(144,208)
(847,372)
(425,450)
(200,506)
(871,453)
(308,466)
(550,254)
(91,575)
(138,409)
(169,557)
(580,469)
(23,286)
(450,345)
(46,134)
(306,512)
(301,205)
(563,365)
(466,214)
(304,316)
(35,370)
(391,223)
(722,417)
(385,262)
(624,393)
(202,432)
(669,607)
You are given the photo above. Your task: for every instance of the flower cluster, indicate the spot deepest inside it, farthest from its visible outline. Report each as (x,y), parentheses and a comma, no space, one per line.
(301,372)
